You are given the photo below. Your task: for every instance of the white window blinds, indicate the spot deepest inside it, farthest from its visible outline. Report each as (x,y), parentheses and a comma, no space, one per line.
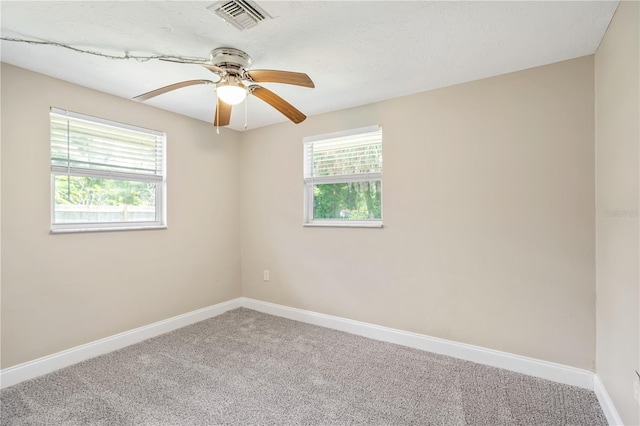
(88,146)
(344,157)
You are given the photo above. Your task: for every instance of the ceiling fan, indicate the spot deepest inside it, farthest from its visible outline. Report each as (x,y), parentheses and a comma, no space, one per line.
(236,81)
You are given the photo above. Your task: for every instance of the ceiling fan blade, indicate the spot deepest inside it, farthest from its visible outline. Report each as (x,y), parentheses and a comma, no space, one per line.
(169,88)
(275,76)
(278,103)
(223,114)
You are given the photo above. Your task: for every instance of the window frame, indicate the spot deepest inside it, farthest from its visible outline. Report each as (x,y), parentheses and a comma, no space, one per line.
(310,182)
(159,179)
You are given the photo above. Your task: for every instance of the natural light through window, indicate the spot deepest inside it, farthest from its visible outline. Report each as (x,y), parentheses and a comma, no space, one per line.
(343,178)
(105,175)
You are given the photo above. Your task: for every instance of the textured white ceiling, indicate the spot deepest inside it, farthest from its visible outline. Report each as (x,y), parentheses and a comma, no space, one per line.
(356,52)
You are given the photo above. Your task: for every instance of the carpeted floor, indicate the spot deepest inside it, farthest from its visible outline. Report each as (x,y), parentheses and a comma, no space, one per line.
(249,368)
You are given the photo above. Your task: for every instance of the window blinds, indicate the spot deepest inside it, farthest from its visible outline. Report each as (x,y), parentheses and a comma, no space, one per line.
(344,157)
(92,147)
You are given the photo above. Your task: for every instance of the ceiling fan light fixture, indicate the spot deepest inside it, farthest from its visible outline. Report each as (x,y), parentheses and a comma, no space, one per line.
(231,91)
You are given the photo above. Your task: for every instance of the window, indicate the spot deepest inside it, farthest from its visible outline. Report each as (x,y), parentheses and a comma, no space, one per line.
(105,175)
(343,178)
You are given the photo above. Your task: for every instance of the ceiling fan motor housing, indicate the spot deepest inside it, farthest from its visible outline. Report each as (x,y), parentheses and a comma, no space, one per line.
(234,61)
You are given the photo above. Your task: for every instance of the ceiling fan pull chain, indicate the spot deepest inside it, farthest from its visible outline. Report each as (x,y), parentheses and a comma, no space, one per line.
(246,108)
(217,115)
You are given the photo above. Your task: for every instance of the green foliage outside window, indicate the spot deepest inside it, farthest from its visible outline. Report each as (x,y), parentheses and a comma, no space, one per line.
(86,191)
(347,201)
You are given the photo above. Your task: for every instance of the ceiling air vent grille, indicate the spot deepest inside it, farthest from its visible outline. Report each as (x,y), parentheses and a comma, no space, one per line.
(242,14)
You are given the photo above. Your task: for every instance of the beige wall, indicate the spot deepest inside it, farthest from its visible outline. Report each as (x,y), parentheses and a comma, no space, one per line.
(488,205)
(63,290)
(617,89)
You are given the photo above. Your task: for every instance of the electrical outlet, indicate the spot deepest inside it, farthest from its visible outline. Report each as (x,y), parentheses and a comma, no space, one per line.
(636,387)
(265,275)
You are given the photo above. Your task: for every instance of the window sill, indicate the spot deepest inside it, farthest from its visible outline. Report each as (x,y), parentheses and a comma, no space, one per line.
(105,229)
(345,224)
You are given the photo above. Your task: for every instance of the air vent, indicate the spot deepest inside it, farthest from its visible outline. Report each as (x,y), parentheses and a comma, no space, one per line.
(242,14)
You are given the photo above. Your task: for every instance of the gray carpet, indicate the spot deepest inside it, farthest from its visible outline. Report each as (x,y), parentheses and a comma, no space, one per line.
(246,368)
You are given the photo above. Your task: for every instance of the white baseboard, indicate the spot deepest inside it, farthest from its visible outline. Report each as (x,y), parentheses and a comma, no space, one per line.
(29,370)
(606,403)
(534,367)
(520,364)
